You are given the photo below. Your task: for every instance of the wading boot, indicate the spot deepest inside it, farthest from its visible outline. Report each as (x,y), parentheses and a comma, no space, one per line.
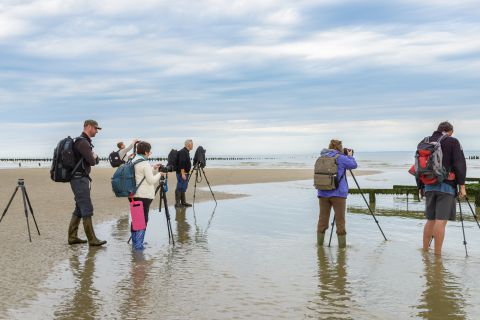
(320,238)
(184,202)
(342,241)
(92,239)
(178,204)
(73,231)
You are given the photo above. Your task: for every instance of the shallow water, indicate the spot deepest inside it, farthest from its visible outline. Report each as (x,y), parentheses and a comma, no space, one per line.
(257,259)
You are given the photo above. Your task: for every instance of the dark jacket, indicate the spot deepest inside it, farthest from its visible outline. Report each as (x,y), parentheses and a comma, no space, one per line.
(184,160)
(453,158)
(83,148)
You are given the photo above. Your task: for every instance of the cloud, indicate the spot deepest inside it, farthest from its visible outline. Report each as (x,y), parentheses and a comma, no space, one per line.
(238,72)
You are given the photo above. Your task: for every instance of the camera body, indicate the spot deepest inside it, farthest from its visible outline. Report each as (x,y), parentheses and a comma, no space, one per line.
(346,151)
(166,169)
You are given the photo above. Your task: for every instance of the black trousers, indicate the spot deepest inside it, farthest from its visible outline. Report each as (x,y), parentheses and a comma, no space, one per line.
(81,191)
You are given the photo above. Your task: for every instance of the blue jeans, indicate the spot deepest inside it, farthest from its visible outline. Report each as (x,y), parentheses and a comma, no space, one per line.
(182,185)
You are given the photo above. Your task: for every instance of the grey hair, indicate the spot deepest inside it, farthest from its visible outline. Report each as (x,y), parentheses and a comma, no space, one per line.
(188,141)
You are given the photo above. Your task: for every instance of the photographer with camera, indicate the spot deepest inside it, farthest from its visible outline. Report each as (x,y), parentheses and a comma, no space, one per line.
(335,196)
(146,176)
(184,165)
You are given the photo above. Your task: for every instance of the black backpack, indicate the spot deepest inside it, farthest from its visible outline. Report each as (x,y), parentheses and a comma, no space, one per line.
(115,160)
(64,162)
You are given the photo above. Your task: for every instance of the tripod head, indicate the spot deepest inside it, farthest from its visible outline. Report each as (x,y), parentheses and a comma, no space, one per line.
(20,182)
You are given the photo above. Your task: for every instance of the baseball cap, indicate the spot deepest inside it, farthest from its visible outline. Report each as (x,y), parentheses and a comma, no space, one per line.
(91,122)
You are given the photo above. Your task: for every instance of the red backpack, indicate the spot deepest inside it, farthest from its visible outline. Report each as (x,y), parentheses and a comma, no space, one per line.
(428,167)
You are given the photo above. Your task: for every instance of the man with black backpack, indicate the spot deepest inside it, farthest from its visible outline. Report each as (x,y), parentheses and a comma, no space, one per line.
(441,186)
(80,183)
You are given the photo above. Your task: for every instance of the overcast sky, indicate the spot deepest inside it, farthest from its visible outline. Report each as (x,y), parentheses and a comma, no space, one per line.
(239,77)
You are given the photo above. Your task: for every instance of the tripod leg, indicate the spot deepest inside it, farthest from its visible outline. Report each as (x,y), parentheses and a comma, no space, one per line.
(368,206)
(473,212)
(167,216)
(195,187)
(331,231)
(191,173)
(26,211)
(208,183)
(463,229)
(9,202)
(31,210)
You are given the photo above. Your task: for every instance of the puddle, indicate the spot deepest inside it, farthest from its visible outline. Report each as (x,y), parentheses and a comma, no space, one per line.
(256,258)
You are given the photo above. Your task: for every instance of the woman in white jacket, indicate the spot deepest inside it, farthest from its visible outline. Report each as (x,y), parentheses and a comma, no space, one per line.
(146,177)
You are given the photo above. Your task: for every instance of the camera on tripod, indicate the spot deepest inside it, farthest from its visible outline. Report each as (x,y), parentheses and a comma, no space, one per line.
(171,162)
(199,158)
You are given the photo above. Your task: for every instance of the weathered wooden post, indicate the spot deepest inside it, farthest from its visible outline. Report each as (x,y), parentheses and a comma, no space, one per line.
(371,198)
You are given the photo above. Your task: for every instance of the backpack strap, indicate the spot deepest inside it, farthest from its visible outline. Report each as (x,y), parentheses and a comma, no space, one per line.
(344,172)
(123,155)
(136,187)
(80,161)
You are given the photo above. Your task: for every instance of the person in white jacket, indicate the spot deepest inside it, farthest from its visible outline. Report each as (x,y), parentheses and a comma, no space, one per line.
(146,177)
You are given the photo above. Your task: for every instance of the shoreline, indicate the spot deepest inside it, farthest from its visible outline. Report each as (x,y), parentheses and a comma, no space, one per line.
(26,264)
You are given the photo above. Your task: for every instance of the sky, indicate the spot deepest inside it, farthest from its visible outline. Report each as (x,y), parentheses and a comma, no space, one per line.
(238,76)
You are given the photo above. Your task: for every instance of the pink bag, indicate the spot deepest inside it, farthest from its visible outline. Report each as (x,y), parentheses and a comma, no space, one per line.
(138,218)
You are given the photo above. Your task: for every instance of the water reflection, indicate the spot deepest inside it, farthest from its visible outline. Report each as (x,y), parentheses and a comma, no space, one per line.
(442,297)
(85,301)
(183,228)
(333,287)
(135,287)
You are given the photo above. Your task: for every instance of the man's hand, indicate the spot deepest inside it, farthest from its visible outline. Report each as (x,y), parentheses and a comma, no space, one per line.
(184,176)
(462,193)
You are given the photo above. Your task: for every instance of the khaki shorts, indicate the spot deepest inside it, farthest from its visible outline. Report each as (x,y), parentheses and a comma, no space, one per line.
(440,206)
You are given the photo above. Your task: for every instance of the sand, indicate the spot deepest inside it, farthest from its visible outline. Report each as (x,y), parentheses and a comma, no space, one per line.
(24,265)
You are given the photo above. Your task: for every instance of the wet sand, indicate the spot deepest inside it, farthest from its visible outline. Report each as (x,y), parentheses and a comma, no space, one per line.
(24,265)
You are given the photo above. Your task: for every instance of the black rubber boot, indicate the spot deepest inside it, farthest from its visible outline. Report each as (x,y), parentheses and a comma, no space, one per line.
(92,239)
(73,231)
(184,202)
(178,203)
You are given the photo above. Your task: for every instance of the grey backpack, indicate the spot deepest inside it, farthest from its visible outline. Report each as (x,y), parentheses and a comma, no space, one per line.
(325,176)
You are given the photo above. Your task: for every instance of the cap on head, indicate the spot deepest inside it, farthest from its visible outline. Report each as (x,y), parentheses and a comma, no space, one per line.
(92,123)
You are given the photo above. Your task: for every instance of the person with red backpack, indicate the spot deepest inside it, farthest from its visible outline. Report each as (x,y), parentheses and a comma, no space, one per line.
(440,169)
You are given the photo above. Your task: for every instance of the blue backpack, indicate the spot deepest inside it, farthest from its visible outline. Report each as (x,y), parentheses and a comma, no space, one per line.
(123,180)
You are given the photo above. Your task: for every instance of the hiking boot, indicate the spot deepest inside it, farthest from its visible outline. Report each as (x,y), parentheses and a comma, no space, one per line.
(178,203)
(342,241)
(320,238)
(92,239)
(184,202)
(73,231)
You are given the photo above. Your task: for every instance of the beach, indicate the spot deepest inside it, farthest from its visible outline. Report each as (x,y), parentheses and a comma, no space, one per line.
(24,265)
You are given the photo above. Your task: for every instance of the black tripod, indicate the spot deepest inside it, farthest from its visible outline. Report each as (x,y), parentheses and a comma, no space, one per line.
(26,200)
(163,197)
(461,220)
(198,169)
(368,206)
